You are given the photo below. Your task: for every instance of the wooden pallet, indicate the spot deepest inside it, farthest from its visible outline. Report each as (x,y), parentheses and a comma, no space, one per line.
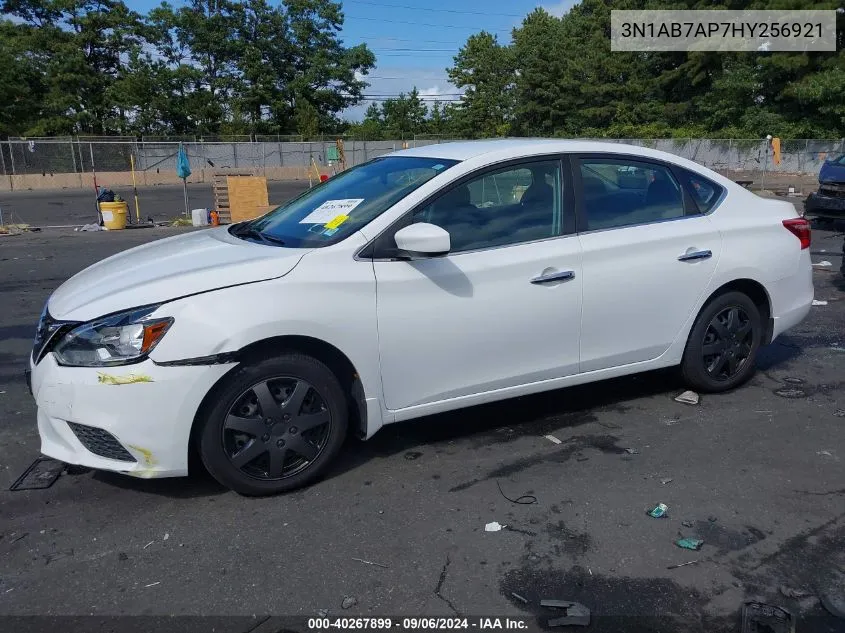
(221,194)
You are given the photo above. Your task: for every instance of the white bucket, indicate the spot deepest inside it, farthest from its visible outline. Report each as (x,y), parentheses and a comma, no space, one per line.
(199,217)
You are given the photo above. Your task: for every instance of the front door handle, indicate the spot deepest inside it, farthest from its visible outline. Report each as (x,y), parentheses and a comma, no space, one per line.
(549,277)
(695,256)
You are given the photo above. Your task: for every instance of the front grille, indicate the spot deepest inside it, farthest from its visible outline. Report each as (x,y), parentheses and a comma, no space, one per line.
(100,442)
(46,334)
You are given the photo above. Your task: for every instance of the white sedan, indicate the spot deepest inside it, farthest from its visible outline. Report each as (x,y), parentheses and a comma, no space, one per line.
(423,281)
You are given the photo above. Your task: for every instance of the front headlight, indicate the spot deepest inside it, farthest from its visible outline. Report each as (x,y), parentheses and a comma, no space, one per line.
(119,339)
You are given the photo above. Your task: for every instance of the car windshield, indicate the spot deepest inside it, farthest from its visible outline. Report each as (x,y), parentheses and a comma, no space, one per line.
(343,204)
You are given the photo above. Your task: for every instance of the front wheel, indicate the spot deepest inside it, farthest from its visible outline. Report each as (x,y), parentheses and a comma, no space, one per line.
(276,425)
(723,344)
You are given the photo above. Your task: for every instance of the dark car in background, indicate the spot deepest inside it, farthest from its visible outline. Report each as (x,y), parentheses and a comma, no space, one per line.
(829,201)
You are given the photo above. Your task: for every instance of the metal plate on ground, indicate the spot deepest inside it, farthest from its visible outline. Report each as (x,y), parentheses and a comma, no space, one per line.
(765,618)
(42,473)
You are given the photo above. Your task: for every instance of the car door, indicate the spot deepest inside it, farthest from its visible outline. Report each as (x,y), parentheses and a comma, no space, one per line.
(648,255)
(503,308)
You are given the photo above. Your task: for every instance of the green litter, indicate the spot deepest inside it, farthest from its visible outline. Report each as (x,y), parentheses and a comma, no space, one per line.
(660,511)
(690,543)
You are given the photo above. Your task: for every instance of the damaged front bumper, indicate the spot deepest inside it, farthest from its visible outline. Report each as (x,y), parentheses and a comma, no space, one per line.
(827,202)
(109,419)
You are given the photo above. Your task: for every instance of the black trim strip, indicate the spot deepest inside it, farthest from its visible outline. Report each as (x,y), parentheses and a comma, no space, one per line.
(215,359)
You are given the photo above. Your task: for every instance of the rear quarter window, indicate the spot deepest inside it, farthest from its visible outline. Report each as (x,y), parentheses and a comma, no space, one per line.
(705,193)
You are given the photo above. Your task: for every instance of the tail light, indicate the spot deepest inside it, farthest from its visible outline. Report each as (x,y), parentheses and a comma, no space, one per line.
(800,228)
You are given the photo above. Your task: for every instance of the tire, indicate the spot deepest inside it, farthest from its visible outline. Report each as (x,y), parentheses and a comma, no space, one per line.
(714,331)
(276,425)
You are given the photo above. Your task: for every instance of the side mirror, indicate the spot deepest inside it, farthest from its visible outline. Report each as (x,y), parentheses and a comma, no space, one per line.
(422,240)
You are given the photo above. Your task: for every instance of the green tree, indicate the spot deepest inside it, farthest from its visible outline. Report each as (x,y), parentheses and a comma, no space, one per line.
(484,70)
(404,116)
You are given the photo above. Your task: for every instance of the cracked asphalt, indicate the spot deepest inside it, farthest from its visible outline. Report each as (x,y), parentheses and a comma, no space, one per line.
(758,473)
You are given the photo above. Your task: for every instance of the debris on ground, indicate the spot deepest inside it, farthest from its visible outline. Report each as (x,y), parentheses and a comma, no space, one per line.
(16,229)
(523,500)
(712,518)
(757,617)
(660,511)
(148,544)
(493,526)
(692,562)
(552,439)
(666,480)
(49,558)
(832,594)
(688,397)
(348,602)
(823,264)
(793,380)
(166,536)
(687,524)
(789,592)
(182,222)
(824,453)
(576,613)
(632,451)
(90,227)
(690,543)
(153,584)
(322,612)
(21,537)
(790,392)
(839,413)
(41,473)
(816,302)
(369,562)
(520,598)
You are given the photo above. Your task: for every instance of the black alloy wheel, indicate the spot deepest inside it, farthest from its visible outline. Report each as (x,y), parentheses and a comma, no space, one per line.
(274,424)
(727,344)
(276,428)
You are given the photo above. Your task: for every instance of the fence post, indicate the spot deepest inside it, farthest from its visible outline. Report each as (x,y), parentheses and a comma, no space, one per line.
(3,159)
(73,155)
(281,158)
(12,157)
(235,154)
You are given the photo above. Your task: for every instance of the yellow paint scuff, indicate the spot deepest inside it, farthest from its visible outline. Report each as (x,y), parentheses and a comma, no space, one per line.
(149,460)
(109,379)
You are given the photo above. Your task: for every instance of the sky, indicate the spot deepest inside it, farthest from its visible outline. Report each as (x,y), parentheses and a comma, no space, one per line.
(414,41)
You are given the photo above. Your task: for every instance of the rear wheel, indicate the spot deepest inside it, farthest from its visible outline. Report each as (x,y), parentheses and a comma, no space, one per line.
(723,344)
(276,425)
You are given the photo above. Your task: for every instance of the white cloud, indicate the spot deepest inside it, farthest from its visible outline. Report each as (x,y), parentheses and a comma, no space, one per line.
(391,80)
(560,8)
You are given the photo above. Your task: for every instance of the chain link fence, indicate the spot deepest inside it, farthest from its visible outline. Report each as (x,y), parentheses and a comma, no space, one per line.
(82,155)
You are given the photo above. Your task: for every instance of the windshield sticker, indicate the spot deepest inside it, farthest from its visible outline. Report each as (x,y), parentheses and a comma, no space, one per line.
(329,232)
(330,210)
(336,222)
(438,167)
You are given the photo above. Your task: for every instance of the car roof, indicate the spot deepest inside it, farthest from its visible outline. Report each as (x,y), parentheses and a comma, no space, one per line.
(525,147)
(463,150)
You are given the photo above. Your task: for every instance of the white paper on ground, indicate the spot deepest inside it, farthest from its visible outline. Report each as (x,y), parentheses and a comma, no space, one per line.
(330,209)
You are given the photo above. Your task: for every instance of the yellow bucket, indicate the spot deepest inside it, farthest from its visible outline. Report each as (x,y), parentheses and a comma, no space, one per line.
(114,215)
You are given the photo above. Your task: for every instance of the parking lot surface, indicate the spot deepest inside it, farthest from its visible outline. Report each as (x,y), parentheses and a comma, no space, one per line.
(758,473)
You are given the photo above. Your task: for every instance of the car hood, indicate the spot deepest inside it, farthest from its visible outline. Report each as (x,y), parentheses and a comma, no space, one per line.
(167,269)
(832,173)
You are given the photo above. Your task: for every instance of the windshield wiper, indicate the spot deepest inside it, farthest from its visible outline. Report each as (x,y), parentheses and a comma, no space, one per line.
(250,231)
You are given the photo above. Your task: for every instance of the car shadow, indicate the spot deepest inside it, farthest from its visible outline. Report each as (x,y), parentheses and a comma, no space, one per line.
(510,419)
(197,485)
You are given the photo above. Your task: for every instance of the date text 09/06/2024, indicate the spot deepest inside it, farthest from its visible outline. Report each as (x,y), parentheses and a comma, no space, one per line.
(417,624)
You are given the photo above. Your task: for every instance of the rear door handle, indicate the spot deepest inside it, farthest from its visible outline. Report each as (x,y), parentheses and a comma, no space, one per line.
(547,278)
(694,256)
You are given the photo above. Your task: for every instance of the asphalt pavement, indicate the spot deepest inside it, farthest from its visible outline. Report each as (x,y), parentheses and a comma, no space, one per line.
(757,473)
(162,202)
